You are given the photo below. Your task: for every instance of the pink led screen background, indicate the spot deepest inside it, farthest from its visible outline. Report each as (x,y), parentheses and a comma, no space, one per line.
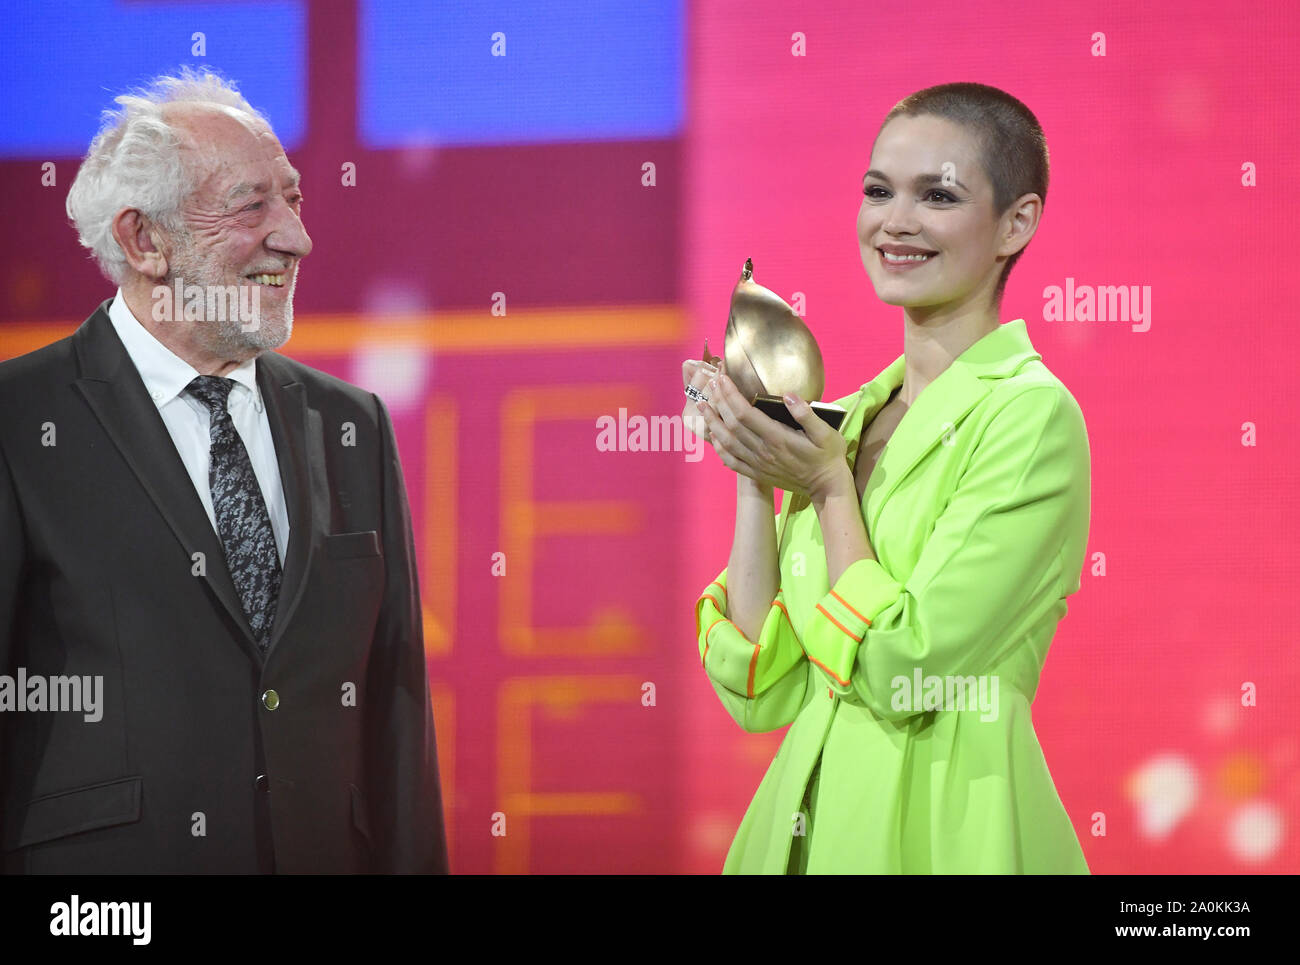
(1140,709)
(1171,156)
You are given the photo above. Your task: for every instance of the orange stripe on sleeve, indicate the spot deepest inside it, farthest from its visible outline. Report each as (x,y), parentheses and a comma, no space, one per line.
(848,606)
(711,626)
(838,624)
(829,671)
(704,656)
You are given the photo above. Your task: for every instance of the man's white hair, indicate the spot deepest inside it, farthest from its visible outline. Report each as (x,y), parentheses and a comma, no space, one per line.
(135,161)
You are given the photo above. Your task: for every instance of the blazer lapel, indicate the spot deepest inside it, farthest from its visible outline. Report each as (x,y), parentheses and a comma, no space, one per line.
(116,394)
(869,401)
(297,433)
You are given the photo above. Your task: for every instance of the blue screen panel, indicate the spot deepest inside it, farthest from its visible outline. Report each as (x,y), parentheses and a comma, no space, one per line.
(64,63)
(571,72)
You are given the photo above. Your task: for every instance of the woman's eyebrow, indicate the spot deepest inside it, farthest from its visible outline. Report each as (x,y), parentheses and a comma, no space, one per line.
(920,181)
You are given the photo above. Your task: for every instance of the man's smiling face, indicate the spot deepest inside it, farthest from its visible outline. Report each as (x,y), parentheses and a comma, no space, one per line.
(242,226)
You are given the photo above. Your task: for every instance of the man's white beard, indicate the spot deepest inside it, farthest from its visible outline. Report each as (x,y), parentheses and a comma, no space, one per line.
(226,337)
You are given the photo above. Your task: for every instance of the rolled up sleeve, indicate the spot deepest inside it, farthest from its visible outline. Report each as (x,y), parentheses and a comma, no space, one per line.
(760,683)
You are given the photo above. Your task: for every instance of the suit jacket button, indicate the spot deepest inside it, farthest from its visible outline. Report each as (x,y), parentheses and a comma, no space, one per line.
(261,783)
(270,700)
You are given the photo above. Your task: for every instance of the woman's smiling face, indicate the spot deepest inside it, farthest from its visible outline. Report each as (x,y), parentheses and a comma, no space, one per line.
(926,191)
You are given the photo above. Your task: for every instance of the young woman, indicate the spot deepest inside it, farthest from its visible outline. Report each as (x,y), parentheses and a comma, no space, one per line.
(898,611)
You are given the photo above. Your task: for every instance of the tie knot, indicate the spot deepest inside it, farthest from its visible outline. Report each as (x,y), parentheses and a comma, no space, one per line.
(212,391)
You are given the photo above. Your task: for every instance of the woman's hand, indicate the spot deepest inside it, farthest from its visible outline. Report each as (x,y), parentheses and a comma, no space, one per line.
(812,462)
(696,373)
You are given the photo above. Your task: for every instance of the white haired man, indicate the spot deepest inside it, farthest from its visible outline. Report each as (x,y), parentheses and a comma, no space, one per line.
(210,540)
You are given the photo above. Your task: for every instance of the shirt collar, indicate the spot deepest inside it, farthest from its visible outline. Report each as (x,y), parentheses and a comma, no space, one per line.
(999,354)
(165,374)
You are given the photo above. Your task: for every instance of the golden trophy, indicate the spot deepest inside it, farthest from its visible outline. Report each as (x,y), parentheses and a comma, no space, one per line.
(770,351)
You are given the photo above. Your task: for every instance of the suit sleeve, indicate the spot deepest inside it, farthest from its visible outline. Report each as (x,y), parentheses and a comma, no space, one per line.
(991,568)
(404,792)
(760,683)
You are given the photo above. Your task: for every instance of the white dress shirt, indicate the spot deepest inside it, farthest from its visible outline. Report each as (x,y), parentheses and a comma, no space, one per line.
(165,377)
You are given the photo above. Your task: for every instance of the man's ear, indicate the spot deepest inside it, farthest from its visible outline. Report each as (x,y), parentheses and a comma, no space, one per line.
(139,238)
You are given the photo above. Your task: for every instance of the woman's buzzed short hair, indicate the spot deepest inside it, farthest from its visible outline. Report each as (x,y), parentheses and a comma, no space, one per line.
(1011,141)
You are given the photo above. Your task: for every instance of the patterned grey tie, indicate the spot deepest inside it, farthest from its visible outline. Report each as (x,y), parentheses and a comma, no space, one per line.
(242,519)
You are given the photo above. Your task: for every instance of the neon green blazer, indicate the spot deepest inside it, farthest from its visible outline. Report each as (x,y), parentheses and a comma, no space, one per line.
(909,682)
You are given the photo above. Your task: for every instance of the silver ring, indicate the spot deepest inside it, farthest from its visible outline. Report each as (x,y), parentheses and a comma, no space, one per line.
(695,394)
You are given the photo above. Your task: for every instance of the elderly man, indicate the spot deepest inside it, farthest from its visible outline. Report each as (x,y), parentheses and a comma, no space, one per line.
(211,537)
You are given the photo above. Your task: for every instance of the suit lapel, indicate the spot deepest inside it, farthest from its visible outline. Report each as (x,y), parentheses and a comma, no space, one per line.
(116,394)
(869,401)
(296,431)
(937,411)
